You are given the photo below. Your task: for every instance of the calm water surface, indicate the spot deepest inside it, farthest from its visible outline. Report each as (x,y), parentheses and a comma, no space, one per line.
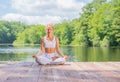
(76,53)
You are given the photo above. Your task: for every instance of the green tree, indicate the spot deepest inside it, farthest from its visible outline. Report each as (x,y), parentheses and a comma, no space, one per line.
(9,30)
(31,35)
(65,32)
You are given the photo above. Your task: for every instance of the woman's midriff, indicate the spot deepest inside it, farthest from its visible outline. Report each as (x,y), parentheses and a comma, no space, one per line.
(49,50)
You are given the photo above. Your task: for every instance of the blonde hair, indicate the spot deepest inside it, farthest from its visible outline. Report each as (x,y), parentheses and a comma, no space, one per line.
(50,25)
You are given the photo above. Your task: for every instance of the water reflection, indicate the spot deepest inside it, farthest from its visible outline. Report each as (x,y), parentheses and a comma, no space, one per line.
(85,54)
(76,53)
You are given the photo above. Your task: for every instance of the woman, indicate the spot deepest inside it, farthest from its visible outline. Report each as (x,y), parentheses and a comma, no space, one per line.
(50,52)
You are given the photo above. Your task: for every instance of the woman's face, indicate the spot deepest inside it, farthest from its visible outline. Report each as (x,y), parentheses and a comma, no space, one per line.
(49,30)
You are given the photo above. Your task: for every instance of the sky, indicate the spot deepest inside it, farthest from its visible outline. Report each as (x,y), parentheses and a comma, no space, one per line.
(41,11)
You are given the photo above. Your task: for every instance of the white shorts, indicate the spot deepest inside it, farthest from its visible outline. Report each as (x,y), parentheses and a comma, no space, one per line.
(46,58)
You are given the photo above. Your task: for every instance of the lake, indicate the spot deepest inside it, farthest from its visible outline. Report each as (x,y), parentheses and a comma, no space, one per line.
(76,53)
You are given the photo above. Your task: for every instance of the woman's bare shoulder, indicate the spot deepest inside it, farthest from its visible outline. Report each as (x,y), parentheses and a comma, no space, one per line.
(42,39)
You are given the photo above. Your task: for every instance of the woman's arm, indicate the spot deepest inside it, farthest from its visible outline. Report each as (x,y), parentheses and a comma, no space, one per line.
(42,50)
(58,49)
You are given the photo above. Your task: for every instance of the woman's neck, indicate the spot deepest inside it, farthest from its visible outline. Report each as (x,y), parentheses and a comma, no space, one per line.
(50,36)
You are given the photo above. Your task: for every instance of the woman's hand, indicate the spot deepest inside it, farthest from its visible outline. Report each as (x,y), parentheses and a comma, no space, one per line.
(66,57)
(34,56)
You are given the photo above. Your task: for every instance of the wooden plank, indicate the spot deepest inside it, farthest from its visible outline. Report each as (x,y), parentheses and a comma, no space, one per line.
(23,73)
(70,72)
(114,64)
(45,74)
(106,72)
(7,70)
(16,73)
(87,74)
(74,73)
(31,74)
(60,73)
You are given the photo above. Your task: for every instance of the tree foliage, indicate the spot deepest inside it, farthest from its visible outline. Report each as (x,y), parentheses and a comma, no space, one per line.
(9,30)
(98,25)
(31,35)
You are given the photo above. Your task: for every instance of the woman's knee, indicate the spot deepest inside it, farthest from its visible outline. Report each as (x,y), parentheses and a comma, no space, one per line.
(38,61)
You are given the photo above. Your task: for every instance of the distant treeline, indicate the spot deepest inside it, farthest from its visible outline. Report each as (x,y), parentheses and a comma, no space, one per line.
(98,25)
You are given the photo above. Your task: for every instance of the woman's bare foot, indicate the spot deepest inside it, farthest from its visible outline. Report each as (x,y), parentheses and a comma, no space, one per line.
(54,58)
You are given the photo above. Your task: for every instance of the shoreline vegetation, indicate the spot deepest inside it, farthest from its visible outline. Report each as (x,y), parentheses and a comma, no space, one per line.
(97,26)
(9,44)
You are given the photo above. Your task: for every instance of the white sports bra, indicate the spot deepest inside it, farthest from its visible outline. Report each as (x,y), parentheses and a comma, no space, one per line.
(49,44)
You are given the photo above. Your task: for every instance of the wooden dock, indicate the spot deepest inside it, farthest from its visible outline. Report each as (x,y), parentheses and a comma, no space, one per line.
(70,72)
